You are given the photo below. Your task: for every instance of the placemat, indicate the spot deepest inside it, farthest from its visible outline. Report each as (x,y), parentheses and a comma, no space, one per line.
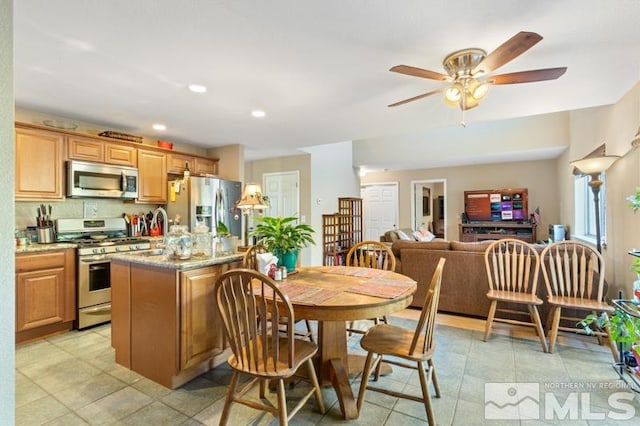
(381,287)
(304,294)
(354,271)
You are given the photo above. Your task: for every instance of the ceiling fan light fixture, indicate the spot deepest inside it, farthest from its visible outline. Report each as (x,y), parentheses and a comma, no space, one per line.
(453,93)
(478,89)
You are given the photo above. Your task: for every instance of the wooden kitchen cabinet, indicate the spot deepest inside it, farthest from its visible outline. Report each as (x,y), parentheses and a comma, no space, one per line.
(152,177)
(45,293)
(198,166)
(122,155)
(96,150)
(85,149)
(39,173)
(205,166)
(200,339)
(164,322)
(177,161)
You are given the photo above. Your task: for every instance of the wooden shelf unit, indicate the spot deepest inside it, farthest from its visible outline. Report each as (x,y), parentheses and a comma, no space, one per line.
(480,231)
(341,231)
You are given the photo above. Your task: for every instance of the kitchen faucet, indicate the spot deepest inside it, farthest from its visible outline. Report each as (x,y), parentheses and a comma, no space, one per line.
(165,222)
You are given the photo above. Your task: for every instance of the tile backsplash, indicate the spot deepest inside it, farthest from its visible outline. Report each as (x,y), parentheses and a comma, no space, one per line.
(72,208)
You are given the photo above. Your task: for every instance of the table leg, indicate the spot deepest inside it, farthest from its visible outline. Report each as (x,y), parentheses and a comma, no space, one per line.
(333,364)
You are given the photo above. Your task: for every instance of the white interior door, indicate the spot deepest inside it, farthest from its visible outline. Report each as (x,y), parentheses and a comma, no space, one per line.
(379,209)
(283,192)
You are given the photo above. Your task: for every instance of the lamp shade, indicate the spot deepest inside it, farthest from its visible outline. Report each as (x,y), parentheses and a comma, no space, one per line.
(591,165)
(252,198)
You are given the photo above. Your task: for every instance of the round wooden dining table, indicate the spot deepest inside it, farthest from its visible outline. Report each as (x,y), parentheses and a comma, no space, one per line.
(333,295)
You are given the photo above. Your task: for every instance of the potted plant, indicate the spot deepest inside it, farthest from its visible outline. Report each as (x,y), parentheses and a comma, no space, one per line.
(223,236)
(634,200)
(625,331)
(624,324)
(283,237)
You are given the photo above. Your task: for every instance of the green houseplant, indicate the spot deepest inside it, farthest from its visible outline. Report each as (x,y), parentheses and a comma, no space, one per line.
(623,326)
(283,237)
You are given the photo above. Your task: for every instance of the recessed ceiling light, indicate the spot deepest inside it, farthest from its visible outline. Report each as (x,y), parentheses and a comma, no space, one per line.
(197,88)
(159,126)
(258,113)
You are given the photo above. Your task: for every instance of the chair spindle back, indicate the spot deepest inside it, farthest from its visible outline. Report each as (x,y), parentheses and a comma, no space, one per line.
(423,336)
(512,265)
(371,254)
(246,300)
(573,269)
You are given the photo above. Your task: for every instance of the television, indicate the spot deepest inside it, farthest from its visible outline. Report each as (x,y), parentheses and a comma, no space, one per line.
(496,205)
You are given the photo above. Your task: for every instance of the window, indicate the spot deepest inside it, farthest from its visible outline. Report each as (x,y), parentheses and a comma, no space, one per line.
(585,216)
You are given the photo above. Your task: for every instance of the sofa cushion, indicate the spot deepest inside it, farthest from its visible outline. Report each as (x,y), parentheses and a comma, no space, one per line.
(471,246)
(435,244)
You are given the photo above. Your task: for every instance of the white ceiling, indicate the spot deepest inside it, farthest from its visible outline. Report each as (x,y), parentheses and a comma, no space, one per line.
(319,69)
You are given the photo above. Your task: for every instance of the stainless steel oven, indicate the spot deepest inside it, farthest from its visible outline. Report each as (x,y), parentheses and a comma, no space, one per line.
(94,290)
(96,239)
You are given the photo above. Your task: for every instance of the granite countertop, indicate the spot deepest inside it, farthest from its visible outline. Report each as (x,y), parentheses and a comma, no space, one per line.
(163,261)
(35,248)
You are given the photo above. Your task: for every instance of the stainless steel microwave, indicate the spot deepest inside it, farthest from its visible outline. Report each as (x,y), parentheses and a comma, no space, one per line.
(86,179)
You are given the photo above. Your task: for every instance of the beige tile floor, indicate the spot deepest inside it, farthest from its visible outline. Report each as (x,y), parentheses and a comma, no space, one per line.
(72,379)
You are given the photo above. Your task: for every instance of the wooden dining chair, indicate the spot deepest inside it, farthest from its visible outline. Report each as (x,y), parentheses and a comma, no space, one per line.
(246,299)
(374,255)
(416,346)
(574,276)
(512,269)
(250,261)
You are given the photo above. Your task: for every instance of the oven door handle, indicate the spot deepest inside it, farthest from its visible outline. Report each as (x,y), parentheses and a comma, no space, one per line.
(98,310)
(95,259)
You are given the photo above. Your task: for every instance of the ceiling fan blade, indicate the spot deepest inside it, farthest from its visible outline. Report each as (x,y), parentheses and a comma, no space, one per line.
(419,72)
(527,76)
(507,51)
(415,98)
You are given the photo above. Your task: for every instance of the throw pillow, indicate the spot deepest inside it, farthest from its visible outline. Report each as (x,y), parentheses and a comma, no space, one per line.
(423,235)
(403,236)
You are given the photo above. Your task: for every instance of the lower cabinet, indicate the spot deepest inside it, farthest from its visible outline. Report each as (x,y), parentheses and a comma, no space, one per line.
(165,323)
(200,334)
(45,293)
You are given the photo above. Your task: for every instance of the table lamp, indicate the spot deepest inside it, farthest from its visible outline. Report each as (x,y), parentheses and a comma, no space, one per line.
(592,165)
(251,200)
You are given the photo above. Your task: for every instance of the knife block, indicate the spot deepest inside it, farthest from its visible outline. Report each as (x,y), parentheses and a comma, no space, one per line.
(45,235)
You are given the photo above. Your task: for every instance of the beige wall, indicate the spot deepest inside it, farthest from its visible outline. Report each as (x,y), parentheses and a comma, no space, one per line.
(614,125)
(7,277)
(231,164)
(301,163)
(539,177)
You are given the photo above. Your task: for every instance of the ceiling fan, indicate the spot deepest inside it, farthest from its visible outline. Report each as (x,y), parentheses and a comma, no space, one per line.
(468,72)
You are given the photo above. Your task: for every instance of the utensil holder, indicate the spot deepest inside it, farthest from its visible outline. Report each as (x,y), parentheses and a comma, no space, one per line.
(46,235)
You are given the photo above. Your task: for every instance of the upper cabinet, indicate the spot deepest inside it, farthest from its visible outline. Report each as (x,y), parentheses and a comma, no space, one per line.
(41,153)
(89,149)
(176,163)
(152,176)
(39,165)
(197,165)
(205,166)
(123,155)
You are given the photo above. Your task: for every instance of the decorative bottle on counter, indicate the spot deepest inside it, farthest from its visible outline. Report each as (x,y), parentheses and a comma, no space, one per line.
(179,242)
(202,242)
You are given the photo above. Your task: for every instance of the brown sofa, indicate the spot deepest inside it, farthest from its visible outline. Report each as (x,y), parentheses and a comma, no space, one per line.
(464,279)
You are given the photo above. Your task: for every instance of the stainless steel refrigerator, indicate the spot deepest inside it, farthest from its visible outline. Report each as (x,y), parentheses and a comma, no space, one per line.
(207,200)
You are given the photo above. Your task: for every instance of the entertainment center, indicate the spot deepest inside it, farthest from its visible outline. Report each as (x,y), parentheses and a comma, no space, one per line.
(480,231)
(495,214)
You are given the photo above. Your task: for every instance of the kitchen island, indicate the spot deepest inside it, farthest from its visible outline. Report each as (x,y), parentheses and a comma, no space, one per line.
(164,319)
